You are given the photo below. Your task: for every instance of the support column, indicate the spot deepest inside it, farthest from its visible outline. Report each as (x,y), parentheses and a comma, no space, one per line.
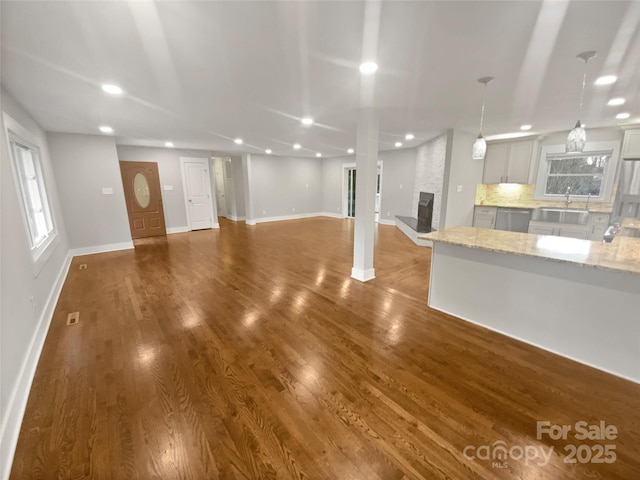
(366,174)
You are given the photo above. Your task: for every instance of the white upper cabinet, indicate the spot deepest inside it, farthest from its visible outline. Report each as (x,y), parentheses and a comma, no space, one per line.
(630,144)
(508,162)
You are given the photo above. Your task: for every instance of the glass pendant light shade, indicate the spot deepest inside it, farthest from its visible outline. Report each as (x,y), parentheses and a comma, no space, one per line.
(479,148)
(480,145)
(576,139)
(577,136)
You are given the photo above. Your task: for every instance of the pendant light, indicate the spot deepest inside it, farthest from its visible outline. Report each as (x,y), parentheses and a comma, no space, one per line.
(480,145)
(577,136)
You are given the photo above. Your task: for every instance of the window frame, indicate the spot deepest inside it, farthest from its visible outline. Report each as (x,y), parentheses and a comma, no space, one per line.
(592,148)
(40,249)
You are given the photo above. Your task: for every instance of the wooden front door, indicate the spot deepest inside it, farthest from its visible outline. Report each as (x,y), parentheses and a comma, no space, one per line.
(144,200)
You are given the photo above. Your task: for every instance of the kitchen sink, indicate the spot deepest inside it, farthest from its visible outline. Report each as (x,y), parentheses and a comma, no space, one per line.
(561,215)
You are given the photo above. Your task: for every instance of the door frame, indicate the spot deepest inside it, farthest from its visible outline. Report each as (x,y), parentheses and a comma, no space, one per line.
(345,180)
(224,163)
(212,197)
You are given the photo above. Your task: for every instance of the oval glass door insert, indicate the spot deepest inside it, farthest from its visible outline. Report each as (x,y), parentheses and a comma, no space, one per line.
(141,190)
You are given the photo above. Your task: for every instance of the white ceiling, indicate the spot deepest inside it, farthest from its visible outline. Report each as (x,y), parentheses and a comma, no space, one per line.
(203,73)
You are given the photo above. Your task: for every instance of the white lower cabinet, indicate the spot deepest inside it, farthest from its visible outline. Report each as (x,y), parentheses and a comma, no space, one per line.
(485,217)
(540,228)
(559,229)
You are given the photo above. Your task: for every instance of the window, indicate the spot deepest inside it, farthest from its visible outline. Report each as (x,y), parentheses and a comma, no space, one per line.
(31,188)
(587,174)
(578,174)
(34,194)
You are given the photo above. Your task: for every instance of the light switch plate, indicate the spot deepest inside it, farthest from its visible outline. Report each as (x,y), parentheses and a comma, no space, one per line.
(107,191)
(168,187)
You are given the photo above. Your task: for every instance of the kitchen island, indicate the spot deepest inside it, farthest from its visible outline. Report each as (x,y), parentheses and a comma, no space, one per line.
(576,298)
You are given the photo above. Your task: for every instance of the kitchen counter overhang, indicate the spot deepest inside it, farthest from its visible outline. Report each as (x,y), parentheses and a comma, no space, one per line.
(576,298)
(622,255)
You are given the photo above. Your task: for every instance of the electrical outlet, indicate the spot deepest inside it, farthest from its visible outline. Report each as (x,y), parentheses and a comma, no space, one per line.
(388,214)
(293,209)
(264,212)
(459,188)
(400,186)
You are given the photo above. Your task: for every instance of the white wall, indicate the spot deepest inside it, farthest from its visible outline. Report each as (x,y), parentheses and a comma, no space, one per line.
(396,189)
(464,173)
(285,186)
(332,179)
(168,160)
(430,177)
(23,325)
(83,166)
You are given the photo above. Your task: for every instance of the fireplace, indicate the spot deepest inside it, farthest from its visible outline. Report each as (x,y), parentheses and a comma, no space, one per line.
(425,211)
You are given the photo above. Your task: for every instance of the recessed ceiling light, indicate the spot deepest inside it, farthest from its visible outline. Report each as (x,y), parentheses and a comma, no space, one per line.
(615,101)
(318,154)
(296,146)
(168,144)
(106,129)
(409,136)
(368,68)
(112,89)
(350,150)
(606,80)
(623,115)
(268,151)
(398,144)
(238,141)
(525,127)
(307,121)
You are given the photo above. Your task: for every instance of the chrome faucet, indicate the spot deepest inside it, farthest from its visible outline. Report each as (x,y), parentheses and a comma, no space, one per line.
(566,195)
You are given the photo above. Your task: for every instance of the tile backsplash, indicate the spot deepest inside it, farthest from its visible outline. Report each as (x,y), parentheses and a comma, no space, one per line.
(489,194)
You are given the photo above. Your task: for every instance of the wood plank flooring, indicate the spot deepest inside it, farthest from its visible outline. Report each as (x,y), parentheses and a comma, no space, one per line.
(250,353)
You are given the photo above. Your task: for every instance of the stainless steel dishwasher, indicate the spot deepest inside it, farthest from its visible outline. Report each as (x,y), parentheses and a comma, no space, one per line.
(513,219)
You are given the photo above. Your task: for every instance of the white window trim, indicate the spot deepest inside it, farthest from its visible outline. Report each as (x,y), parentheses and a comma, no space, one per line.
(608,176)
(42,252)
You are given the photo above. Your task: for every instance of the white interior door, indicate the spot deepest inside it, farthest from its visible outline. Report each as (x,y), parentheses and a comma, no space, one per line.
(197,191)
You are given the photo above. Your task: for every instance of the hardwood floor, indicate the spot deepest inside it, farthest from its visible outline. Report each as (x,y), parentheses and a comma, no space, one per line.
(250,353)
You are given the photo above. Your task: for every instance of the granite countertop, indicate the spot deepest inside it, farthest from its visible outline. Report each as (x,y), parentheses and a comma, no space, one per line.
(531,204)
(622,255)
(630,223)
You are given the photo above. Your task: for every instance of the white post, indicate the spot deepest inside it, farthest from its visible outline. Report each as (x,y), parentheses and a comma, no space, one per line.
(366,173)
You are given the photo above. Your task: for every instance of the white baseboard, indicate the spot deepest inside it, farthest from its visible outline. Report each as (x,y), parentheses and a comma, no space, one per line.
(17,403)
(363,275)
(387,222)
(173,230)
(331,214)
(234,218)
(287,217)
(109,247)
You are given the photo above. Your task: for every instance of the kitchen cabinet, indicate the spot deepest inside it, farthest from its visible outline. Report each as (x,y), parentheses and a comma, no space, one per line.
(484,217)
(508,162)
(541,228)
(598,224)
(630,144)
(559,229)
